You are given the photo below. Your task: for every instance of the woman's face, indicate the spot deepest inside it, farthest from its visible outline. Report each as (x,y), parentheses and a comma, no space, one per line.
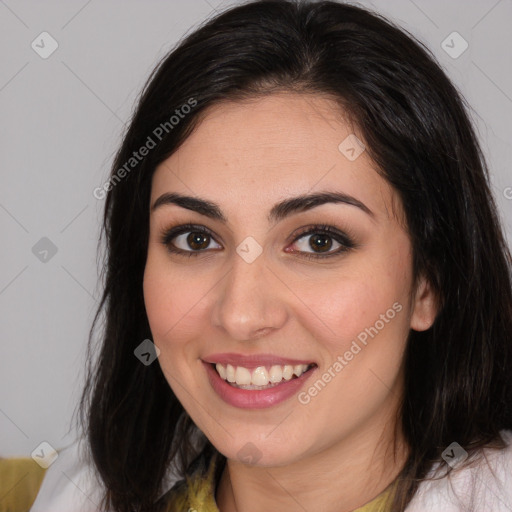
(266,288)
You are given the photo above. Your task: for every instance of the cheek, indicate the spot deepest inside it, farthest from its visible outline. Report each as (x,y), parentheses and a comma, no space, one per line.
(166,296)
(168,305)
(363,346)
(357,305)
(175,304)
(159,301)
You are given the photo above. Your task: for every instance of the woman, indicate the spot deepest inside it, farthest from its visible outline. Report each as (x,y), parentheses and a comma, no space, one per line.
(307,294)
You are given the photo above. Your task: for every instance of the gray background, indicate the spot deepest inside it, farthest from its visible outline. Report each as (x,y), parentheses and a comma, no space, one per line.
(61,121)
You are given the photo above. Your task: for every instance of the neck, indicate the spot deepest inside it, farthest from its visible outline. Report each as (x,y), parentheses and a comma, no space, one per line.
(361,467)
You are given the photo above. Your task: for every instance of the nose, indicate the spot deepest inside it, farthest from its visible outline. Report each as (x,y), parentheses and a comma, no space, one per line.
(250,301)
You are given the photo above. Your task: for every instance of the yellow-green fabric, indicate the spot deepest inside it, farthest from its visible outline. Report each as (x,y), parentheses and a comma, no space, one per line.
(197,493)
(20,480)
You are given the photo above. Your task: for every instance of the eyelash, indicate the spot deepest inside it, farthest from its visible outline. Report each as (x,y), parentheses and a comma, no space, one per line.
(346,241)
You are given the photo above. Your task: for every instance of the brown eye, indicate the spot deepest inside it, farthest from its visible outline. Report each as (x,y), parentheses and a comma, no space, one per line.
(321,242)
(197,241)
(314,241)
(187,240)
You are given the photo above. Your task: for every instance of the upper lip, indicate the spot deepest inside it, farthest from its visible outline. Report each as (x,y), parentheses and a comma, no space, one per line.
(254,360)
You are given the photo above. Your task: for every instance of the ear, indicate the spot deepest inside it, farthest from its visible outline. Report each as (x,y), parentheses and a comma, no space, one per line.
(424,307)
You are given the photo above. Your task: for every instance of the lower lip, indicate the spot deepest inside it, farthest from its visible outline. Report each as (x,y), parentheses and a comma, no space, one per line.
(253,398)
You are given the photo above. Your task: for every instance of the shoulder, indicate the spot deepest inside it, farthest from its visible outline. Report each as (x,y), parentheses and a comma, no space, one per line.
(71,483)
(486,484)
(68,484)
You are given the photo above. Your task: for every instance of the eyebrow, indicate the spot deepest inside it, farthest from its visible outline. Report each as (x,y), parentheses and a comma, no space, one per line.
(278,212)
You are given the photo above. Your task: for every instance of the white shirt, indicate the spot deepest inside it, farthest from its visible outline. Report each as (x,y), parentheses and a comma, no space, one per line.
(472,488)
(70,485)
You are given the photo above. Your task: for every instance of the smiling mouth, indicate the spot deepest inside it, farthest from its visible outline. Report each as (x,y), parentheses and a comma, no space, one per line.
(261,377)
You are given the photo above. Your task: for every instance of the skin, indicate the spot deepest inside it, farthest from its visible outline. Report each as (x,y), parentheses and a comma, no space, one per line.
(246,156)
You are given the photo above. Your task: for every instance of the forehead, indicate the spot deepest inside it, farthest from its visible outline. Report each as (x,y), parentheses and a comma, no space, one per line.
(260,151)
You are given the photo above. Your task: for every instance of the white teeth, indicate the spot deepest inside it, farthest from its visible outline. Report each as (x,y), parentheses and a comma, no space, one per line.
(260,376)
(242,375)
(230,373)
(276,374)
(287,372)
(297,370)
(221,370)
